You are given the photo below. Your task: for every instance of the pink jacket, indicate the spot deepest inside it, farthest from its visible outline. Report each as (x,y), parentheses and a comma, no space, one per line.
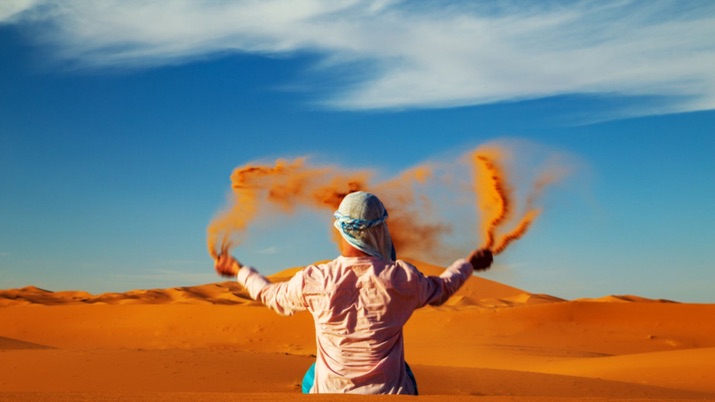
(359,305)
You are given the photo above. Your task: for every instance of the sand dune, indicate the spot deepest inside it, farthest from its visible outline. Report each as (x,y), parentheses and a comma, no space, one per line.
(214,293)
(625,299)
(231,293)
(488,342)
(688,368)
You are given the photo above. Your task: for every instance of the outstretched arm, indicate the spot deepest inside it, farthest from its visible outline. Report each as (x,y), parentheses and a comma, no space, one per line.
(436,290)
(285,298)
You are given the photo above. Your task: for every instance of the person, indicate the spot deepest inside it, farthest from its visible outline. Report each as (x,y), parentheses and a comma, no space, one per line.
(359,301)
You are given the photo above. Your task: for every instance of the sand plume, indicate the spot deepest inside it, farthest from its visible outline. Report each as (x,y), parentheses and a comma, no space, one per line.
(517,232)
(493,193)
(285,185)
(281,188)
(414,226)
(496,198)
(413,197)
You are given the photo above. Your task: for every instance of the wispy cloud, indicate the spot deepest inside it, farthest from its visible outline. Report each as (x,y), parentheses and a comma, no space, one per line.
(407,55)
(268,250)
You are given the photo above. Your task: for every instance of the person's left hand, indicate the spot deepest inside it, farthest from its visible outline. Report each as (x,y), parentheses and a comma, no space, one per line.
(226,265)
(481,259)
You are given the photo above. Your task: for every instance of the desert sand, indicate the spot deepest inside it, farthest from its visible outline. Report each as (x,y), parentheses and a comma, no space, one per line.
(489,342)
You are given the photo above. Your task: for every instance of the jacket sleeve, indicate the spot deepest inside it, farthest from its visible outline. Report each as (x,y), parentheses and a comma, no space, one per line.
(435,290)
(285,298)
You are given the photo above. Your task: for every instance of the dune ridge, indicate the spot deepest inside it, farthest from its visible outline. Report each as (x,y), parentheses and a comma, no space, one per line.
(229,292)
(213,293)
(477,292)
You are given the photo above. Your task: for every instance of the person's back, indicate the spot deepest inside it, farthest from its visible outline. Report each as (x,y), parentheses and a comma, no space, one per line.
(360,305)
(360,302)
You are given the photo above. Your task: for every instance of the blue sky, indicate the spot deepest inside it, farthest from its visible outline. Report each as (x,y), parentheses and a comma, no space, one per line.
(120,123)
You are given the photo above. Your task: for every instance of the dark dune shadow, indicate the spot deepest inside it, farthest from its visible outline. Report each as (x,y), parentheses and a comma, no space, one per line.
(16,344)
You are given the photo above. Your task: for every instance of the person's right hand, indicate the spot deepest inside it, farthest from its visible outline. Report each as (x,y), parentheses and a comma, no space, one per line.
(226,265)
(481,259)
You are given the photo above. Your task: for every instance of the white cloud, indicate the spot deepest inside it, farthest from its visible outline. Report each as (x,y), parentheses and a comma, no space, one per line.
(268,250)
(11,9)
(411,55)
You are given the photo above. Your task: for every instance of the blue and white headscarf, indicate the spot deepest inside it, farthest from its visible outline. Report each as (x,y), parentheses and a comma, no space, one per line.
(360,219)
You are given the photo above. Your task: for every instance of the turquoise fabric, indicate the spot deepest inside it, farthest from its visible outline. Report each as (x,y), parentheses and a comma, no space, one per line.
(309,378)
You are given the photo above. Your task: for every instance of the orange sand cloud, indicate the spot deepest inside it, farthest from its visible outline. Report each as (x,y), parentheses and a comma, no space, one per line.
(489,342)
(265,191)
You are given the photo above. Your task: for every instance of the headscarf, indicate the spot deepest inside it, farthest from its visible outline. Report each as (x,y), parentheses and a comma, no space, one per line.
(360,219)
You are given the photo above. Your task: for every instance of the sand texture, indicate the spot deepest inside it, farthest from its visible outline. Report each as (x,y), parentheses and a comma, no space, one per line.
(489,342)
